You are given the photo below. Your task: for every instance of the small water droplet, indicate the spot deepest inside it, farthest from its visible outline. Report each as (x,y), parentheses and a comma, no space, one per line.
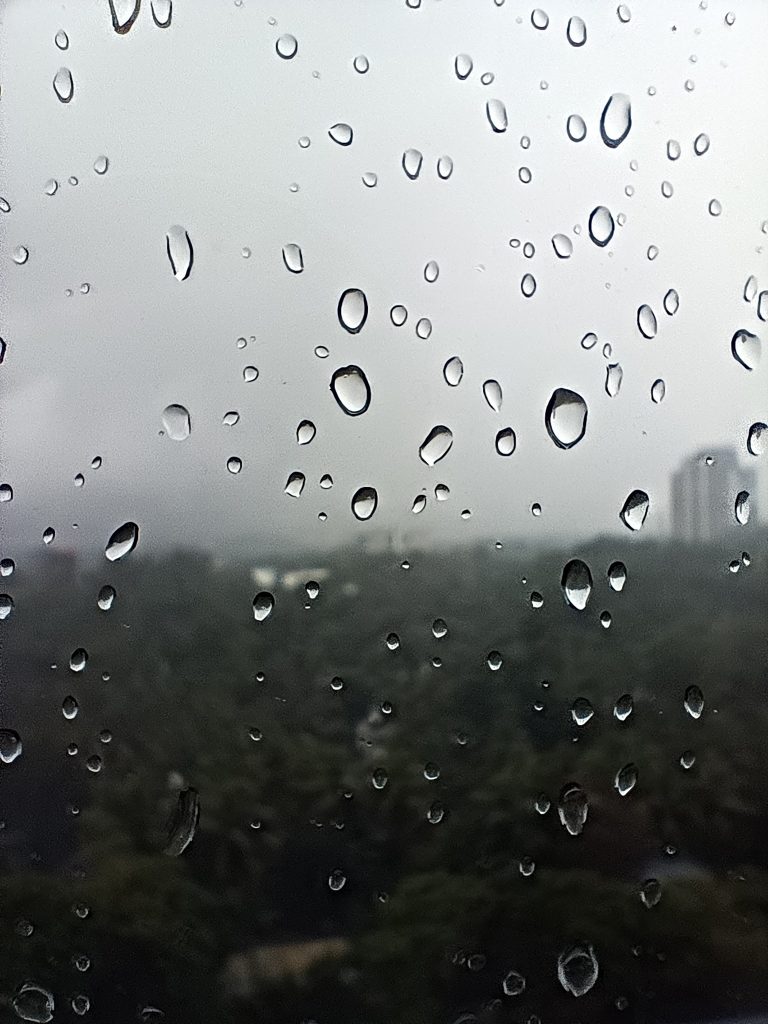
(715,207)
(61,39)
(741,508)
(250,374)
(576,582)
(582,711)
(234,464)
(176,422)
(539,19)
(180,252)
(566,417)
(493,394)
(294,485)
(671,302)
(573,808)
(63,85)
(601,226)
(351,390)
(436,445)
(341,133)
(496,113)
(305,432)
(293,258)
(626,779)
(650,892)
(616,120)
(106,597)
(412,161)
(576,128)
(613,378)
(34,1003)
(453,371)
(745,348)
(635,510)
(337,880)
(623,707)
(124,13)
(122,542)
(687,759)
(513,984)
(78,659)
(528,285)
(352,310)
(10,746)
(762,306)
(506,441)
(646,321)
(563,246)
(370,179)
(494,661)
(701,144)
(576,31)
(183,823)
(589,340)
(757,439)
(364,502)
(423,328)
(431,272)
(435,813)
(463,66)
(162,11)
(7,567)
(48,535)
(263,604)
(20,254)
(51,187)
(361,64)
(287,46)
(673,149)
(6,606)
(623,13)
(444,167)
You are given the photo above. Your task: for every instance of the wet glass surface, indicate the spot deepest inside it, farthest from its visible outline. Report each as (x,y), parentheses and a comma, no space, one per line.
(383,512)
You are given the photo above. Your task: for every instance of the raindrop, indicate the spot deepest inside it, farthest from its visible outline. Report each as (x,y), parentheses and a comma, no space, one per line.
(294,485)
(513,984)
(762,306)
(687,759)
(613,378)
(453,371)
(701,144)
(492,394)
(435,813)
(589,340)
(250,374)
(419,504)
(412,161)
(566,417)
(750,288)
(539,19)
(364,502)
(287,46)
(263,605)
(573,808)
(341,133)
(673,149)
(506,441)
(6,492)
(234,464)
(601,226)
(741,508)
(78,659)
(463,66)
(576,31)
(34,1003)
(293,258)
(616,120)
(436,445)
(69,708)
(617,576)
(305,432)
(370,179)
(715,207)
(122,542)
(494,661)
(635,510)
(658,391)
(106,597)
(623,13)
(757,439)
(180,252)
(496,113)
(576,582)
(337,880)
(63,85)
(431,272)
(61,39)
(124,13)
(326,481)
(398,315)
(7,567)
(6,606)
(576,128)
(101,164)
(528,285)
(51,187)
(646,321)
(650,892)
(745,348)
(361,64)
(444,167)
(352,310)
(626,779)
(563,246)
(393,641)
(671,303)
(379,778)
(524,174)
(176,422)
(162,10)
(351,390)
(183,823)
(582,711)
(10,746)
(667,190)
(48,535)
(623,707)
(423,328)
(20,254)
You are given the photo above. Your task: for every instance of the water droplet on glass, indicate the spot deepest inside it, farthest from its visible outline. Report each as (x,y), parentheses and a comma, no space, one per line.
(250,374)
(341,133)
(762,306)
(715,207)
(566,417)
(364,502)
(576,31)
(361,64)
(616,120)
(293,258)
(687,759)
(563,246)
(352,310)
(613,378)
(51,187)
(539,19)
(180,252)
(162,11)
(436,445)
(646,321)
(20,254)
(176,422)
(7,567)
(435,813)
(61,39)
(295,485)
(506,441)
(658,391)
(576,582)
(379,778)
(513,984)
(48,535)
(582,711)
(124,13)
(496,113)
(671,303)
(626,779)
(673,149)
(493,395)
(576,128)
(650,892)
(63,85)
(183,823)
(745,348)
(263,604)
(10,746)
(453,371)
(757,439)
(69,707)
(573,808)
(351,390)
(528,285)
(494,661)
(412,161)
(370,179)
(305,432)
(234,464)
(122,542)
(701,144)
(337,880)
(635,510)
(34,1003)
(601,226)
(106,597)
(741,508)
(463,66)
(431,272)
(6,606)
(623,707)
(444,167)
(287,46)
(589,340)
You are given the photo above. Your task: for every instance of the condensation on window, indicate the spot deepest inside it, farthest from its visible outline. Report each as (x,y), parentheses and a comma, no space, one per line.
(383,511)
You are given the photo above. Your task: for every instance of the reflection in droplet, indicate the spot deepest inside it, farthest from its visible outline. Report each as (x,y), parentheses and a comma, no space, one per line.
(436,445)
(122,542)
(493,394)
(635,509)
(625,779)
(576,582)
(351,390)
(601,226)
(741,508)
(745,348)
(183,823)
(496,113)
(263,605)
(646,321)
(364,502)
(506,441)
(341,133)
(566,417)
(573,808)
(176,422)
(180,252)
(352,310)
(576,128)
(576,31)
(412,161)
(293,258)
(616,120)
(63,85)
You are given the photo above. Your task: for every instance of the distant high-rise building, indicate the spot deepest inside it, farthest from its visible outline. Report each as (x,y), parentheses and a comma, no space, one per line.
(704,491)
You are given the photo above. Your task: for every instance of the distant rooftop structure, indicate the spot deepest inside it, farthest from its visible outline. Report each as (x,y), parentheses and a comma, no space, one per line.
(704,491)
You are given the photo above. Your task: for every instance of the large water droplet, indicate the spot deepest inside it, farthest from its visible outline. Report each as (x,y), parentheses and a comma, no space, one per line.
(693,702)
(576,31)
(582,711)
(506,441)
(563,246)
(351,390)
(745,347)
(124,13)
(294,485)
(352,310)
(566,417)
(626,779)
(513,984)
(162,12)
(741,508)
(183,823)
(34,1003)
(305,432)
(601,226)
(576,582)
(616,120)
(493,394)
(650,892)
(614,375)
(573,808)
(10,746)
(577,968)
(341,133)
(539,19)
(412,161)
(263,604)
(293,258)
(176,422)
(122,542)
(444,167)
(453,371)
(180,252)
(635,510)
(757,439)
(576,128)
(287,46)
(364,502)
(496,113)
(436,445)
(463,66)
(623,707)
(646,321)
(63,85)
